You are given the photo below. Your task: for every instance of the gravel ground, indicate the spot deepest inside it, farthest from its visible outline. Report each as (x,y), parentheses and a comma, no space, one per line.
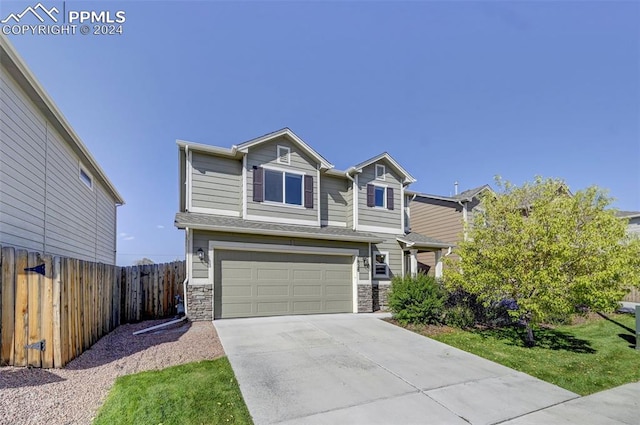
(73,395)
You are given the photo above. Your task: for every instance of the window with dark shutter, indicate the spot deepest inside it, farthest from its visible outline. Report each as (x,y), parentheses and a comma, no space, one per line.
(308,191)
(371,202)
(389,198)
(258,184)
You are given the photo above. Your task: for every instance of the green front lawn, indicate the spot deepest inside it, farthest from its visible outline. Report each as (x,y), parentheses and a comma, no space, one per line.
(585,358)
(196,393)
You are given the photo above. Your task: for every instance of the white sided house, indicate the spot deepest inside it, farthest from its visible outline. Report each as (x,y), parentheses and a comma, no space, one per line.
(273,229)
(54,197)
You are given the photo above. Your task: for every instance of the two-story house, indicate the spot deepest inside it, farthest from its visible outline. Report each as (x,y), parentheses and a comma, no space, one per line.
(272,228)
(633,217)
(444,218)
(54,196)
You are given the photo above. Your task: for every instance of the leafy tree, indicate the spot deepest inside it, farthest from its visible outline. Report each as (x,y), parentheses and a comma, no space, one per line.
(546,251)
(143,262)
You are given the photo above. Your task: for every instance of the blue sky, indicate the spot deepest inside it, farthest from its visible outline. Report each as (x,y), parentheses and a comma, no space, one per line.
(453,90)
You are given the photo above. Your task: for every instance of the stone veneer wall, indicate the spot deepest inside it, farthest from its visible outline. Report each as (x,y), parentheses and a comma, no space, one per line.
(199,302)
(380,296)
(365,298)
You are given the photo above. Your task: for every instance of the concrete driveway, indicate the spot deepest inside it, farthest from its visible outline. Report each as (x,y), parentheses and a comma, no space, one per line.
(352,369)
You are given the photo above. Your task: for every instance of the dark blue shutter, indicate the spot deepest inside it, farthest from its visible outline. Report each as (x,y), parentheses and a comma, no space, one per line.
(258,184)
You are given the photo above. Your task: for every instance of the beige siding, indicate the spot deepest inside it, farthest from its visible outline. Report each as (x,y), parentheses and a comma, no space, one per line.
(201,240)
(375,216)
(266,155)
(333,199)
(438,219)
(216,183)
(44,206)
(22,164)
(349,199)
(106,228)
(393,248)
(71,205)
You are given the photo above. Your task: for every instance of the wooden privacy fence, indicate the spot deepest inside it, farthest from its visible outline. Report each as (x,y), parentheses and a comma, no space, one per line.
(54,308)
(633,296)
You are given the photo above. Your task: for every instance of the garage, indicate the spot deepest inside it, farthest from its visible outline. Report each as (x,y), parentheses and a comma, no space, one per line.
(252,283)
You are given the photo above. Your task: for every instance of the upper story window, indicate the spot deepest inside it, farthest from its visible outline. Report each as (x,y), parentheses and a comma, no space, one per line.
(85,177)
(380,172)
(285,187)
(284,155)
(380,196)
(280,186)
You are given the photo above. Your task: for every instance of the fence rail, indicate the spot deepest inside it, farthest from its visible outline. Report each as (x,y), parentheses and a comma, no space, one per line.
(54,308)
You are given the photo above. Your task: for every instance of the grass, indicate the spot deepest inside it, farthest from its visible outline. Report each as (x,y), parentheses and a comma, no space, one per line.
(585,358)
(195,393)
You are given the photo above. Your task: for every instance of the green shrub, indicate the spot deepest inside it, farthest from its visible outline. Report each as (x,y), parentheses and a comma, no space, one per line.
(418,300)
(459,316)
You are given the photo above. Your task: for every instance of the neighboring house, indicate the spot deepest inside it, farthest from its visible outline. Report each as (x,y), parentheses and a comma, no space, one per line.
(444,218)
(273,229)
(54,197)
(633,228)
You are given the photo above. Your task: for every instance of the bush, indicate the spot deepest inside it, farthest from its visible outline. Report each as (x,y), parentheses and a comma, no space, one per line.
(417,300)
(460,316)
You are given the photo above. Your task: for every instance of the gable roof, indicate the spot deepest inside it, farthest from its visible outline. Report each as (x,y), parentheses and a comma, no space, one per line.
(468,195)
(464,196)
(628,214)
(244,147)
(408,178)
(19,70)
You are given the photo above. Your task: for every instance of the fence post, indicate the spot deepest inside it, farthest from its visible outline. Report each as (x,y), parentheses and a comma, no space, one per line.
(637,327)
(7,322)
(57,323)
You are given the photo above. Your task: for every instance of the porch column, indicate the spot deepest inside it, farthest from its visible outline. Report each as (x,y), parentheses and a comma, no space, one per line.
(438,272)
(414,262)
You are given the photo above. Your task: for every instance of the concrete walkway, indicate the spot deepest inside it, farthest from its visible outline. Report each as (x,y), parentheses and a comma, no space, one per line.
(347,368)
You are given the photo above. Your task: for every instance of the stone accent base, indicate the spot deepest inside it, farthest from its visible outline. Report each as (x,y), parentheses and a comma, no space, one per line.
(365,298)
(199,302)
(379,294)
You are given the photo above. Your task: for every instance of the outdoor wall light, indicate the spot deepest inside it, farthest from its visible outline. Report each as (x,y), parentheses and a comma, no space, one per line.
(200,253)
(365,262)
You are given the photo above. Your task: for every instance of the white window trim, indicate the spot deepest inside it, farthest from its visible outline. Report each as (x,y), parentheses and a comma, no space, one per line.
(384,197)
(244,186)
(373,260)
(381,176)
(81,170)
(288,149)
(284,188)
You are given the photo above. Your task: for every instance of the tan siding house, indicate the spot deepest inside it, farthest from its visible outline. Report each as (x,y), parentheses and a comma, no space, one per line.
(54,197)
(443,218)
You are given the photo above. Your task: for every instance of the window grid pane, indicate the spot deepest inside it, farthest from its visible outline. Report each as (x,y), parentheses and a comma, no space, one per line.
(273,186)
(293,189)
(379,201)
